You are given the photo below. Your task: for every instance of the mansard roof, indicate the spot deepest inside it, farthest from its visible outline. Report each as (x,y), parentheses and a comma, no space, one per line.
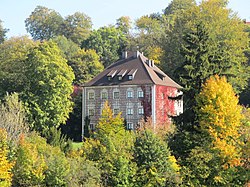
(134,69)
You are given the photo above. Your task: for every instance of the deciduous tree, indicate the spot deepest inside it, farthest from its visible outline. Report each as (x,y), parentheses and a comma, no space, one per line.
(108,42)
(44,23)
(5,164)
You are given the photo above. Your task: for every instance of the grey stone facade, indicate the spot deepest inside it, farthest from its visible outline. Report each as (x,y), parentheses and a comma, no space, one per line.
(134,101)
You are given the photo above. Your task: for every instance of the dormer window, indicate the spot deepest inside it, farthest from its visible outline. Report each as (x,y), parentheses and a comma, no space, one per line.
(121,74)
(111,74)
(131,74)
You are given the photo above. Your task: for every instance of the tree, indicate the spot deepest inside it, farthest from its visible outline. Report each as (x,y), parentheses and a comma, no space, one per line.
(86,65)
(2,32)
(30,166)
(226,32)
(49,88)
(112,149)
(217,159)
(124,24)
(77,27)
(220,117)
(5,164)
(13,118)
(108,42)
(13,53)
(149,35)
(43,23)
(154,162)
(41,76)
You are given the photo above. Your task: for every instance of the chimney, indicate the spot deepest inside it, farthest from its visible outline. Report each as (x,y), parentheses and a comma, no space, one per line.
(124,54)
(152,63)
(136,54)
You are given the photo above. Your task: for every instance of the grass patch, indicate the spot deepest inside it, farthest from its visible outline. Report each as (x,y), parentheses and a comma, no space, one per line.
(77,145)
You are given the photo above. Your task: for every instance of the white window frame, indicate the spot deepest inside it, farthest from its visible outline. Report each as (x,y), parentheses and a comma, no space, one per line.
(116,111)
(130,111)
(130,126)
(90,96)
(114,95)
(140,94)
(140,111)
(130,94)
(91,112)
(102,94)
(130,77)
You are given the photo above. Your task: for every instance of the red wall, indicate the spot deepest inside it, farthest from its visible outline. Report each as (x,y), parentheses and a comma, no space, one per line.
(163,105)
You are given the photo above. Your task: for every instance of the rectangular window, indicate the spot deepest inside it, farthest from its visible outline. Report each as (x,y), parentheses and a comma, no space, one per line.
(119,78)
(140,111)
(91,95)
(104,95)
(130,111)
(116,111)
(91,112)
(116,95)
(140,94)
(130,126)
(130,77)
(129,94)
(92,126)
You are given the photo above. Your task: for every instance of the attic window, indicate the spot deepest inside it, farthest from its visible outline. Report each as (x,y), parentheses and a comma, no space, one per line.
(131,74)
(121,74)
(111,74)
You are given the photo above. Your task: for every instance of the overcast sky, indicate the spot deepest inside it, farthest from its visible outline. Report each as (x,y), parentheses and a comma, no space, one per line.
(102,12)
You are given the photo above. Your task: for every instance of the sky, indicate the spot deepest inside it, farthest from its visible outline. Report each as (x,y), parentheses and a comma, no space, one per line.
(102,12)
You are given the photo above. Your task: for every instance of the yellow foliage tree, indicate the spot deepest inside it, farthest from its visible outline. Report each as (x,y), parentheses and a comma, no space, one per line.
(220,117)
(5,164)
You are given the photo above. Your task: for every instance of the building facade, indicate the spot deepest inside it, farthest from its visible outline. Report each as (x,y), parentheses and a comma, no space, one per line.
(137,88)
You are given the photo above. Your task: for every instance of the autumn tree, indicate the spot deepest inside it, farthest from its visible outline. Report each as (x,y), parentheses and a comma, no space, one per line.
(5,164)
(217,160)
(30,165)
(111,148)
(44,23)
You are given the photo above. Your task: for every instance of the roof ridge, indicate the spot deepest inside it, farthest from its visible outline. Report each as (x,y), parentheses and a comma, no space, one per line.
(145,67)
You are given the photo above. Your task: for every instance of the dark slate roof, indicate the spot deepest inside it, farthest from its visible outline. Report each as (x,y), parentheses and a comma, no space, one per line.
(137,65)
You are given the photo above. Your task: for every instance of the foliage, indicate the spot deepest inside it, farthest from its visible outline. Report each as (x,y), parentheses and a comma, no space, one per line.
(13,118)
(2,32)
(124,24)
(30,165)
(43,23)
(13,53)
(86,65)
(83,173)
(77,27)
(226,37)
(149,35)
(73,127)
(220,117)
(111,148)
(217,159)
(49,87)
(55,138)
(156,167)
(5,164)
(108,42)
